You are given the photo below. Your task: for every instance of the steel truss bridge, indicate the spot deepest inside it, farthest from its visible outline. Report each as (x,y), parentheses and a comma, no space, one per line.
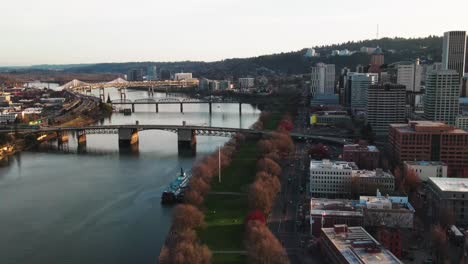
(122,84)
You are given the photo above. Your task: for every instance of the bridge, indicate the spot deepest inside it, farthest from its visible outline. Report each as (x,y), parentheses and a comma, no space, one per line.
(180,101)
(186,134)
(122,85)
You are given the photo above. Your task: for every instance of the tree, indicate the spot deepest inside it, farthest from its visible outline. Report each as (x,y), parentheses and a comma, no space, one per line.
(187,217)
(269,166)
(262,246)
(412,181)
(439,243)
(108,99)
(182,247)
(446,217)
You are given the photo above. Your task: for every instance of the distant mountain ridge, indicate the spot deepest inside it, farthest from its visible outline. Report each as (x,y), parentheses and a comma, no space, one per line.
(395,49)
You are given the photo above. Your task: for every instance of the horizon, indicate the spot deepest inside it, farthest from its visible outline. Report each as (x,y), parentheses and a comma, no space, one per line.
(53,32)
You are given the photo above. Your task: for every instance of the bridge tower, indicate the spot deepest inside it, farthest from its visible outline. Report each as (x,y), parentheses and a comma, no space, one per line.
(123,93)
(150,91)
(128,137)
(102,95)
(186,141)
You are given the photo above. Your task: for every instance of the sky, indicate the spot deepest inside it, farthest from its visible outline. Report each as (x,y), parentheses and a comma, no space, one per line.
(92,31)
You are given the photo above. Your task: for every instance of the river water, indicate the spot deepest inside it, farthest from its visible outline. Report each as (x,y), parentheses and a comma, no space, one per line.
(100,205)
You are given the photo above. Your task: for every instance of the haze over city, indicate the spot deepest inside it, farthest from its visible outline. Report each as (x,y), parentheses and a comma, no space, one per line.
(63,32)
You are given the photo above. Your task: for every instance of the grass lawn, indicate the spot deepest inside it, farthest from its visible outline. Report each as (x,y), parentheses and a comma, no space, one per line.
(224,213)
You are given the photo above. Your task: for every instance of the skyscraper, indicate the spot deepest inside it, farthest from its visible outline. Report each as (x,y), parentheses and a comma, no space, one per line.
(377,60)
(152,73)
(323,79)
(454,51)
(357,87)
(385,106)
(441,102)
(409,74)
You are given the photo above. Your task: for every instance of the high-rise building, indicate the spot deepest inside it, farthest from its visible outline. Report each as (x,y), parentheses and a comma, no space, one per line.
(357,88)
(441,101)
(430,141)
(377,60)
(323,79)
(409,74)
(152,73)
(386,105)
(135,75)
(454,51)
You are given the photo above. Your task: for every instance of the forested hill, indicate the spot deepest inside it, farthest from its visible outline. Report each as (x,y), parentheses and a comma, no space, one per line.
(395,49)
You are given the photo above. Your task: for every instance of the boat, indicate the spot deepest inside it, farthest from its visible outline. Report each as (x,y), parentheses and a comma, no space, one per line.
(174,193)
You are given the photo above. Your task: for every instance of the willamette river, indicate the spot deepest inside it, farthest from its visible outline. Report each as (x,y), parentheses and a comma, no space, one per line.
(101,206)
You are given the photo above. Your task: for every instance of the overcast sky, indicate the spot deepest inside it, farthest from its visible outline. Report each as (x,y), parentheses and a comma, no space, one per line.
(89,31)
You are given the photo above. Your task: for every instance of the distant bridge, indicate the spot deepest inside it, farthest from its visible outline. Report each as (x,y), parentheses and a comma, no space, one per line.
(180,101)
(186,134)
(121,83)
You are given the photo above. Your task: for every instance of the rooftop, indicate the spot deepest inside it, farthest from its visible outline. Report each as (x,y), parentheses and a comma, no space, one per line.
(425,163)
(427,126)
(358,246)
(334,207)
(328,164)
(450,184)
(359,147)
(373,173)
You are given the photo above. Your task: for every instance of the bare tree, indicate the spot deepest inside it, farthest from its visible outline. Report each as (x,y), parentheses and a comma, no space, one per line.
(187,217)
(262,246)
(439,243)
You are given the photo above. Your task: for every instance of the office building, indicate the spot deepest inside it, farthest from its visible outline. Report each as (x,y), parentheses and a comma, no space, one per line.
(349,245)
(441,101)
(464,92)
(454,51)
(377,60)
(462,122)
(330,118)
(357,88)
(323,79)
(368,182)
(426,169)
(409,74)
(183,76)
(387,211)
(246,83)
(152,73)
(325,99)
(386,105)
(135,75)
(448,194)
(432,141)
(342,179)
(364,156)
(331,179)
(325,213)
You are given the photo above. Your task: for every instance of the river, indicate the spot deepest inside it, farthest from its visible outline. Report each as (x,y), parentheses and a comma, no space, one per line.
(101,206)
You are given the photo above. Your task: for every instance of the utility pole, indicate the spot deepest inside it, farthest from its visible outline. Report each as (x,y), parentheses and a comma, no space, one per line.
(219,163)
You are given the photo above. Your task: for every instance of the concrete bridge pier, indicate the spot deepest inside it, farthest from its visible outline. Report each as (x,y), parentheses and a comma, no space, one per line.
(123,94)
(151,91)
(133,108)
(186,141)
(181,107)
(81,138)
(128,137)
(240,108)
(61,138)
(211,107)
(157,108)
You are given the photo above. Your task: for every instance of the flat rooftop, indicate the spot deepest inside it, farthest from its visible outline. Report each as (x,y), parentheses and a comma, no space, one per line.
(422,126)
(426,163)
(358,147)
(450,184)
(328,164)
(357,246)
(335,207)
(372,173)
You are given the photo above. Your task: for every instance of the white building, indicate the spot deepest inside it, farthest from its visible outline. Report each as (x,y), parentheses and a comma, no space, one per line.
(246,83)
(7,118)
(441,101)
(388,211)
(323,79)
(409,74)
(359,86)
(426,169)
(330,178)
(183,76)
